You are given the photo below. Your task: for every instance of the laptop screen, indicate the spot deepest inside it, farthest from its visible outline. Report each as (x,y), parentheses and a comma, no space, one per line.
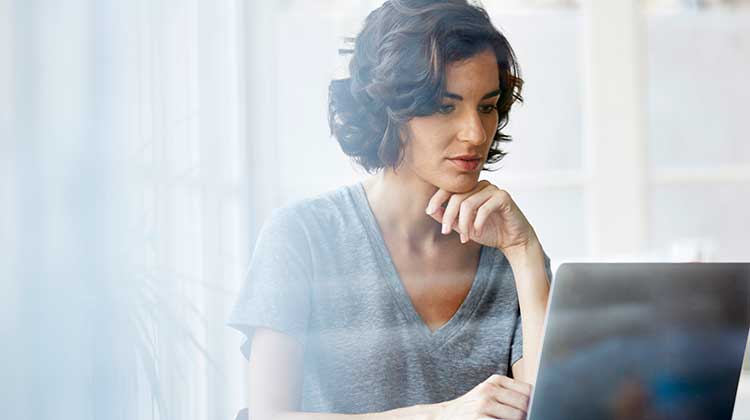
(643,341)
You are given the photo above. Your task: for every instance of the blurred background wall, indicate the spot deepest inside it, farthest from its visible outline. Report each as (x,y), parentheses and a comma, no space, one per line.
(143,143)
(630,143)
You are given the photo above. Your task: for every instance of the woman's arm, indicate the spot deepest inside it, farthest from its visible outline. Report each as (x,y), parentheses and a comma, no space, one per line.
(488,215)
(276,383)
(532,286)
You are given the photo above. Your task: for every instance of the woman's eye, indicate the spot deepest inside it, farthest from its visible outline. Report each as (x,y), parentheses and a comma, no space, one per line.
(446,109)
(486,109)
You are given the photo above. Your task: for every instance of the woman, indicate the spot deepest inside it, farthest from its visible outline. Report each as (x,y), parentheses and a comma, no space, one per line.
(402,296)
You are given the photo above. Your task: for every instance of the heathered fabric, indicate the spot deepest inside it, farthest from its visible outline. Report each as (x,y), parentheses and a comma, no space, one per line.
(321,272)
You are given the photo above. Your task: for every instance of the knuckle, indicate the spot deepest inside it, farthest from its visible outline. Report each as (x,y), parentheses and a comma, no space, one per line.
(484,388)
(484,406)
(521,400)
(491,381)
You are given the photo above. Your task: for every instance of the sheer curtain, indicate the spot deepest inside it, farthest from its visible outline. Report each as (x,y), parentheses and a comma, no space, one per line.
(123,207)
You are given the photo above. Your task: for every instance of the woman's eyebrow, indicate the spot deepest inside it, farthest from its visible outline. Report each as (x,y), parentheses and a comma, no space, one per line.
(461,98)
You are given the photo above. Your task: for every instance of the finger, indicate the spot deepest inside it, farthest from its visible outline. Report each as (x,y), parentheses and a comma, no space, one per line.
(506,391)
(451,212)
(484,211)
(441,195)
(512,398)
(482,184)
(467,212)
(501,411)
(437,200)
(438,215)
(510,383)
(522,387)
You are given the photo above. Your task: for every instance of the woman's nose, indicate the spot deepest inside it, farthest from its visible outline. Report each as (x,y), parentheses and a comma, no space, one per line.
(472,129)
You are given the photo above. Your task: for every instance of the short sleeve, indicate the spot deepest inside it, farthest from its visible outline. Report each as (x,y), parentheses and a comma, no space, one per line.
(516,349)
(276,289)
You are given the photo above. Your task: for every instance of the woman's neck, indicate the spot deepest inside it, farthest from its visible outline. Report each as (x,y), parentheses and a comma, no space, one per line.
(398,201)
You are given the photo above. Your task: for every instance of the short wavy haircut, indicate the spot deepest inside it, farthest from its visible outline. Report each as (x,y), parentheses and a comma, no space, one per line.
(397,72)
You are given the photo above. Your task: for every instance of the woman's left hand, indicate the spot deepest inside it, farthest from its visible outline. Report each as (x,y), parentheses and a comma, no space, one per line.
(486,214)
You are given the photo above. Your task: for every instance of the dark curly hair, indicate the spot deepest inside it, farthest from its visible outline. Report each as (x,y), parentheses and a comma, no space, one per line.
(397,72)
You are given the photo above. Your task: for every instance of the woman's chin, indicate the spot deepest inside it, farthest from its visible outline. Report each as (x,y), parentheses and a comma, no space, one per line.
(459,185)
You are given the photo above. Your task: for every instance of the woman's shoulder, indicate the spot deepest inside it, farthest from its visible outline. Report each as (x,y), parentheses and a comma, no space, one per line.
(322,211)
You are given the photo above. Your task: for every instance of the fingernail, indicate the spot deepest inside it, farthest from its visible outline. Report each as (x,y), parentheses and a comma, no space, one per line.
(429,210)
(463,238)
(445,229)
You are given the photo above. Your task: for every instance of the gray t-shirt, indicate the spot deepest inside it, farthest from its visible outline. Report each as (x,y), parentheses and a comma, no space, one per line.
(321,273)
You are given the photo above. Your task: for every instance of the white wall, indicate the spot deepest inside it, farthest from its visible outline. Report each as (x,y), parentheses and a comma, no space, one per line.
(693,153)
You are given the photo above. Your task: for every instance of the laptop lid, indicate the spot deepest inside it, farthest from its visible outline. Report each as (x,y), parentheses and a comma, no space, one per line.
(643,341)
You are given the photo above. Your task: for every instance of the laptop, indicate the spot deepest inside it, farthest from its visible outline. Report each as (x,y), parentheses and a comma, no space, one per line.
(656,341)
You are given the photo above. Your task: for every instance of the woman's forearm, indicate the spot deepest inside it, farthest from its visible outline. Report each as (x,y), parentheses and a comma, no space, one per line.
(532,286)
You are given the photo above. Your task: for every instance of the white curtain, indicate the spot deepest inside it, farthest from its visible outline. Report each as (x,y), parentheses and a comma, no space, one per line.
(123,207)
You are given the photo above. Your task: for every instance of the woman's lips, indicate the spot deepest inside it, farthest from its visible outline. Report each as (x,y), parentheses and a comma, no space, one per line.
(466,165)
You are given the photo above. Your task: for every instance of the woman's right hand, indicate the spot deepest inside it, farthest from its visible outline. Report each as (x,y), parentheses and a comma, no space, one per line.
(498,397)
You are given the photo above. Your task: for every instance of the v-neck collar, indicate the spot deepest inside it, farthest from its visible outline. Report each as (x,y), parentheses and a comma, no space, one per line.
(396,285)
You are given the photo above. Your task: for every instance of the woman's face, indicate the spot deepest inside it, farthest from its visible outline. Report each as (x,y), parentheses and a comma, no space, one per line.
(463,127)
